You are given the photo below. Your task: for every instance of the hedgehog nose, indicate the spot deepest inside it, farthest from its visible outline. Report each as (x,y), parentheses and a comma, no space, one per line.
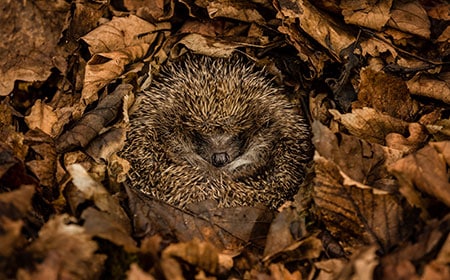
(220,159)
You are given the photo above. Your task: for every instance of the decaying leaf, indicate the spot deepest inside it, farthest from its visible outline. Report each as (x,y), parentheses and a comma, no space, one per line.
(114,45)
(365,13)
(425,85)
(425,169)
(345,194)
(44,168)
(238,10)
(317,25)
(362,264)
(94,191)
(226,228)
(136,273)
(107,144)
(282,233)
(93,122)
(122,32)
(387,94)
(12,170)
(409,259)
(42,117)
(199,254)
(29,37)
(63,250)
(102,68)
(200,44)
(410,17)
(370,124)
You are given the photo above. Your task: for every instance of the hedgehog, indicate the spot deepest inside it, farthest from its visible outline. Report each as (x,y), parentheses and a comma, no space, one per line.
(217,129)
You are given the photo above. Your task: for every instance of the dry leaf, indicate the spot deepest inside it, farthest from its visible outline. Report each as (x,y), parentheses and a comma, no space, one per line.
(411,17)
(102,68)
(330,269)
(44,167)
(226,228)
(136,273)
(107,226)
(93,122)
(42,117)
(427,170)
(386,94)
(243,11)
(122,32)
(29,38)
(306,249)
(366,13)
(279,271)
(318,25)
(197,253)
(281,233)
(203,45)
(107,144)
(16,204)
(12,170)
(410,258)
(362,264)
(11,236)
(151,10)
(349,206)
(428,86)
(82,18)
(95,192)
(369,124)
(63,250)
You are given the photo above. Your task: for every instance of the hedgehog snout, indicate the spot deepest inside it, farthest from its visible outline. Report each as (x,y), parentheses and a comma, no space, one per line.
(220,159)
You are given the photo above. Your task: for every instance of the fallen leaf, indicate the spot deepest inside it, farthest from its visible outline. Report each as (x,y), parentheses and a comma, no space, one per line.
(203,45)
(95,192)
(410,17)
(243,11)
(136,273)
(369,124)
(197,253)
(29,40)
(12,170)
(226,228)
(93,122)
(425,169)
(107,144)
(355,196)
(11,236)
(106,225)
(366,13)
(362,264)
(429,86)
(316,24)
(280,234)
(44,167)
(410,258)
(279,271)
(387,94)
(63,250)
(122,32)
(41,117)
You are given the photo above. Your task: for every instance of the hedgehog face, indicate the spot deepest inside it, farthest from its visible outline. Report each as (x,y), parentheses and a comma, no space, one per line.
(218,149)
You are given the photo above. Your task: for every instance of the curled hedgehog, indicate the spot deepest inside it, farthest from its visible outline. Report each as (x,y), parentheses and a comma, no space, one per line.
(217,128)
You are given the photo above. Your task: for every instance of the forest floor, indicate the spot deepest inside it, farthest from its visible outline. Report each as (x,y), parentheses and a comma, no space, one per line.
(373,76)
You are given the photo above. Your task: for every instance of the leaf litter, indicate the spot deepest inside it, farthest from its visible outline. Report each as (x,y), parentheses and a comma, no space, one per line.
(374,77)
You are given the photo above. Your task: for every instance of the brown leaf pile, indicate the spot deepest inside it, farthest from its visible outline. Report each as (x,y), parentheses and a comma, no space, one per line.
(374,77)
